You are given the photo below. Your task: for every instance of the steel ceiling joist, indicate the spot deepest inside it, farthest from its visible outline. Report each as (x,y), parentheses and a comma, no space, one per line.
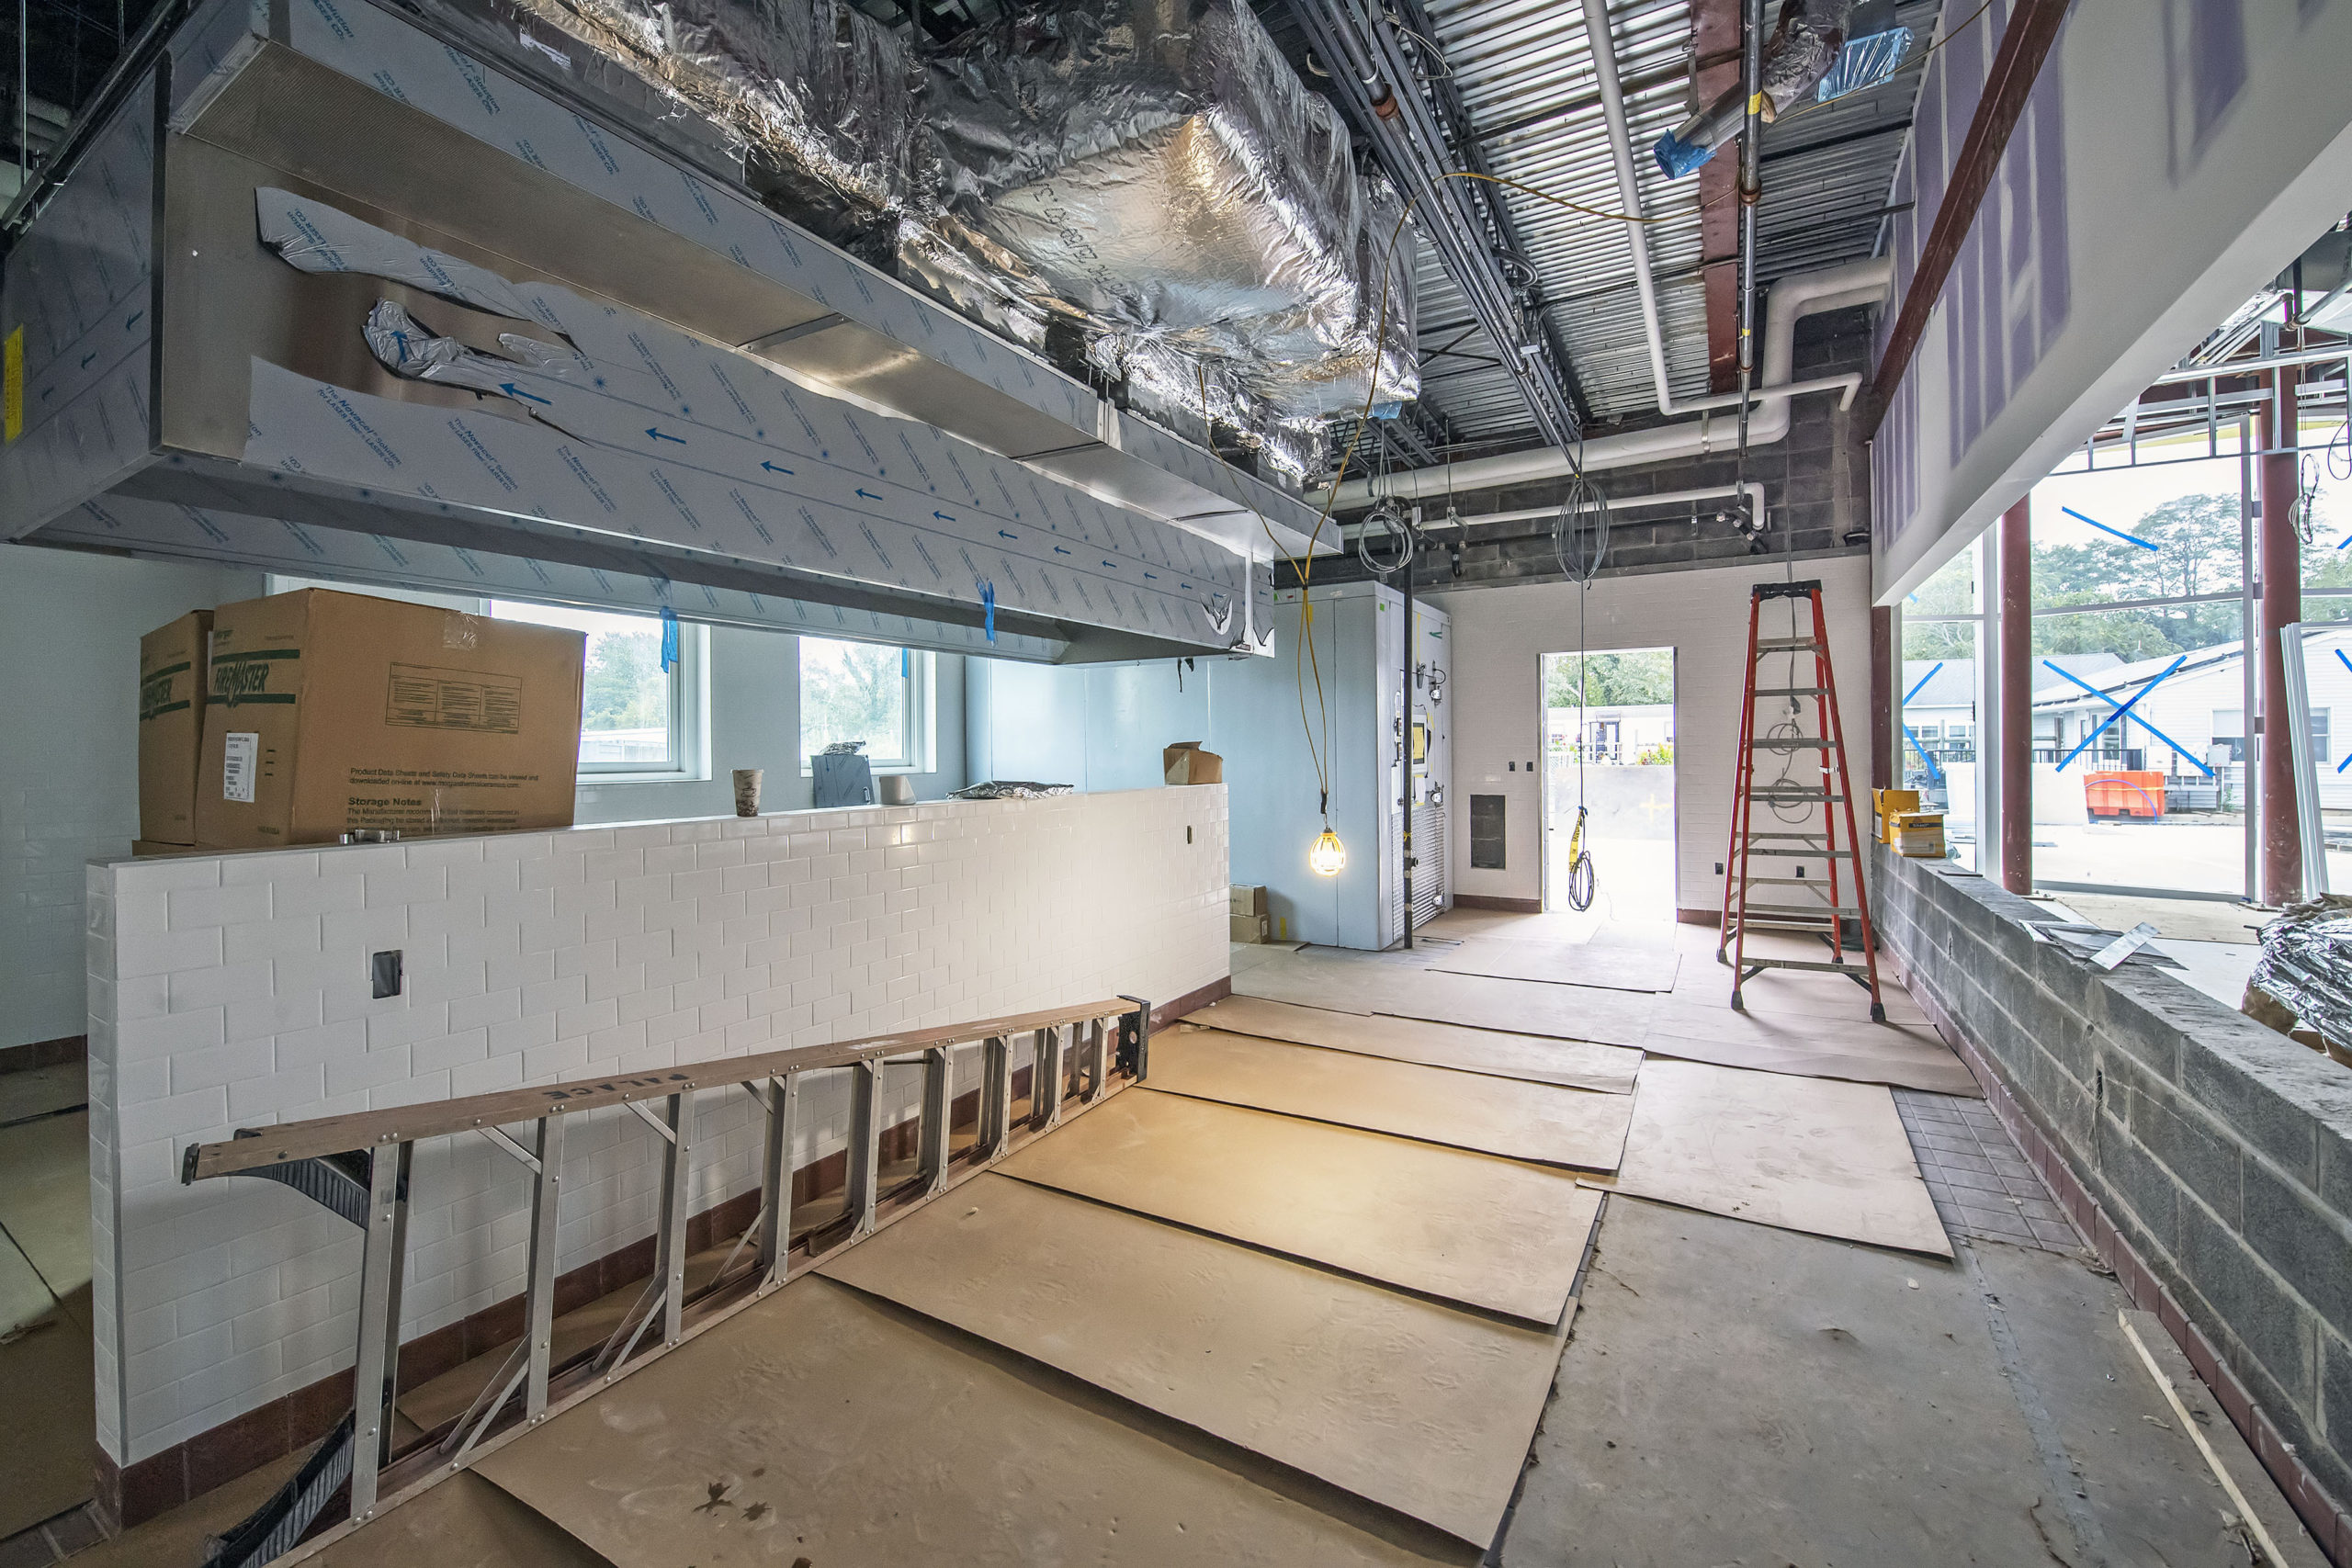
(1418,131)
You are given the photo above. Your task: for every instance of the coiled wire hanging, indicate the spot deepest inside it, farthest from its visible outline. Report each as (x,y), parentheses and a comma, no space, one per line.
(1386,518)
(1580,530)
(1580,544)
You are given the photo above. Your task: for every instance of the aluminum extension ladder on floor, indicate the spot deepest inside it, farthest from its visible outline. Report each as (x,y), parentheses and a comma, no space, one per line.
(1812,782)
(359,1166)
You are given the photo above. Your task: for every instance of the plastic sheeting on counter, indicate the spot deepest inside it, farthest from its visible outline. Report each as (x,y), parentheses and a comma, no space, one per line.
(2306,968)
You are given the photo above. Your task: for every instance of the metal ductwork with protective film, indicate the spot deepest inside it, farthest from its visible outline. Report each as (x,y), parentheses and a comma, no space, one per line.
(670,398)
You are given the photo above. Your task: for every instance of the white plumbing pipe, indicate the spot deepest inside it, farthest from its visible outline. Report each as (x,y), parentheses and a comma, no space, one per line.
(1792,297)
(1751,489)
(1602,44)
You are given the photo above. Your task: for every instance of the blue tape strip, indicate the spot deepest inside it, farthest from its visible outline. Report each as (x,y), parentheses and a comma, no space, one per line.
(2121,709)
(2132,538)
(669,638)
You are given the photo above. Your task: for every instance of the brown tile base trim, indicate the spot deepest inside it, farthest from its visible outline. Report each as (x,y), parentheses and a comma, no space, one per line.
(1700,917)
(1166,1013)
(131,1494)
(44,1054)
(1497,902)
(2330,1525)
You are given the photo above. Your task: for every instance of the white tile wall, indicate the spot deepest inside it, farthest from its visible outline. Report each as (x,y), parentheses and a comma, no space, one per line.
(233,991)
(1501,635)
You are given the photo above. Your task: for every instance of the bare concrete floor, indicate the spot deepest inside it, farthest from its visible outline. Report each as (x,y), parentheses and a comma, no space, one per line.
(1736,1395)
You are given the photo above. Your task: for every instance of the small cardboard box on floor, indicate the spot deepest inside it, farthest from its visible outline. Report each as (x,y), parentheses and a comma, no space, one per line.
(171,727)
(334,711)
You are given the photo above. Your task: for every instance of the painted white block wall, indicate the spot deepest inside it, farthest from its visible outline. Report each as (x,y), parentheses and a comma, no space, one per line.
(1501,634)
(70,627)
(232,990)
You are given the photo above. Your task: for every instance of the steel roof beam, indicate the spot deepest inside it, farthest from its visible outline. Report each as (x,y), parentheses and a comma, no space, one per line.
(1388,107)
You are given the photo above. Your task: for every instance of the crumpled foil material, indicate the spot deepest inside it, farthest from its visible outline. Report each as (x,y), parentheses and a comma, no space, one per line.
(1143,191)
(825,99)
(1156,170)
(1805,43)
(2306,966)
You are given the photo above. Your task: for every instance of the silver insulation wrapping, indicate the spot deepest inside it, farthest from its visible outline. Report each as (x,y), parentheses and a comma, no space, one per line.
(1156,170)
(1143,191)
(824,99)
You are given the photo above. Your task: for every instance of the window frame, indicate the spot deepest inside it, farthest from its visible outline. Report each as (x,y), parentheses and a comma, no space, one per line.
(919,726)
(689,703)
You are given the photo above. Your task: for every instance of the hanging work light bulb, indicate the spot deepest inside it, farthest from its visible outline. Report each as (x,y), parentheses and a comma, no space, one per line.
(1328,857)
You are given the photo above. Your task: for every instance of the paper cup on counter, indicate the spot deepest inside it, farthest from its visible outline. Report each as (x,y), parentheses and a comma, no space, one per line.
(747,791)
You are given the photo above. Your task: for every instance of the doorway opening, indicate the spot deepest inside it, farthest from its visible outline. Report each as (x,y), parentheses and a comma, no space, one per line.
(1613,714)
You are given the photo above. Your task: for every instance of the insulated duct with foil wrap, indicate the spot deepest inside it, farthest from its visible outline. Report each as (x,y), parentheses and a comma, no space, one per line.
(1142,191)
(1154,174)
(1806,44)
(823,99)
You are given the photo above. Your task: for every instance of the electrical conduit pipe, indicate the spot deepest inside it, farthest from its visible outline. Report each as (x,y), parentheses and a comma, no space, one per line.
(1804,294)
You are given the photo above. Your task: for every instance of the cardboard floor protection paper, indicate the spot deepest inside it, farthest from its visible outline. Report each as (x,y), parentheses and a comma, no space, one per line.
(1406,1401)
(1465,1228)
(1904,1055)
(821,1425)
(1392,984)
(1608,967)
(1438,1105)
(1803,1153)
(1578,1064)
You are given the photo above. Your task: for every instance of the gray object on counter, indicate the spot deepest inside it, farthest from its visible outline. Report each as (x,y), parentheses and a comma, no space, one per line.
(841,778)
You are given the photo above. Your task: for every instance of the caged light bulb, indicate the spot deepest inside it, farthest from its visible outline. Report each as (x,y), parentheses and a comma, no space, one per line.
(1328,857)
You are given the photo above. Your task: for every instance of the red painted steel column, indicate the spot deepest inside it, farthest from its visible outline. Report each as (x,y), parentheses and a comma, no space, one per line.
(2016,667)
(2278,553)
(1883,699)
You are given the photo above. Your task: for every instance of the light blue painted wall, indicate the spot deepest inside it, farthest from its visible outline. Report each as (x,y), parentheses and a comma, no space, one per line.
(1103,728)
(70,627)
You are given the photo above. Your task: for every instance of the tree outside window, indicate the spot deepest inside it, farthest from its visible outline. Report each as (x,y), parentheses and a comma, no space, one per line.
(855,690)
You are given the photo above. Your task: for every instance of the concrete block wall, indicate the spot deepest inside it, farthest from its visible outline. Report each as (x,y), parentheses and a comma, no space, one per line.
(232,990)
(2218,1150)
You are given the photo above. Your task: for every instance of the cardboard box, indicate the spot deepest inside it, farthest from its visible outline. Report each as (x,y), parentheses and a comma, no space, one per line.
(143,849)
(1919,834)
(1888,803)
(1248,928)
(1186,763)
(333,711)
(1248,899)
(171,727)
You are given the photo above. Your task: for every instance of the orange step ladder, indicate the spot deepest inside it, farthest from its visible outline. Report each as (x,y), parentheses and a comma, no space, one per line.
(1807,799)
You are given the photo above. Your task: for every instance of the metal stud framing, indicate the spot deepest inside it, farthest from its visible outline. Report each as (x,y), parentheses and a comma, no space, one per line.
(666,1103)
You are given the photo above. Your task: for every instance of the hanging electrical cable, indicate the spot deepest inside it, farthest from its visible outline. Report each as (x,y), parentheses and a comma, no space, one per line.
(1580,544)
(1328,856)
